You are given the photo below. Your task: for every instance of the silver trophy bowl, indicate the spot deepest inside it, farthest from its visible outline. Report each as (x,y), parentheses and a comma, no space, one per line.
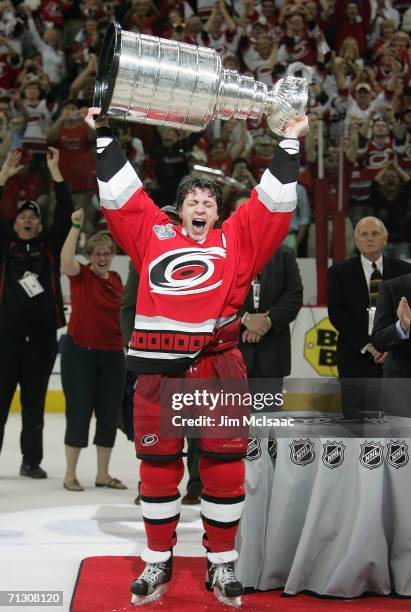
(152,80)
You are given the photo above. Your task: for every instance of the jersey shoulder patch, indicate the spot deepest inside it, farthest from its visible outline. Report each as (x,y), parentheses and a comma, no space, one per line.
(163,232)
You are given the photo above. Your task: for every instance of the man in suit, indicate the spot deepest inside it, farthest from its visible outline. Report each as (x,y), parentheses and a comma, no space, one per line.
(272,303)
(351,307)
(391,332)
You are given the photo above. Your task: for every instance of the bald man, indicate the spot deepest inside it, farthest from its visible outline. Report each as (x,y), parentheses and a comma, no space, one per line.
(351,310)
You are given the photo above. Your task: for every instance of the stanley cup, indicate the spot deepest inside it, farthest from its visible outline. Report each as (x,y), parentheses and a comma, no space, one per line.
(152,80)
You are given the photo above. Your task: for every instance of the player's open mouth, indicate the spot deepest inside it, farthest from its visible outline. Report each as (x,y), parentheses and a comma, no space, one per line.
(198,224)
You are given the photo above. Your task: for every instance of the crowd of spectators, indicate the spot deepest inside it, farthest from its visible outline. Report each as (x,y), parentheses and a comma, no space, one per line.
(356,55)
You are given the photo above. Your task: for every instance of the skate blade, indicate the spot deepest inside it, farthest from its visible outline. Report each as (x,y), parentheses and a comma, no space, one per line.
(234,602)
(140,600)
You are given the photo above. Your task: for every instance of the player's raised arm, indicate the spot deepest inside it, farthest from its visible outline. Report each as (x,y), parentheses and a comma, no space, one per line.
(129,211)
(262,223)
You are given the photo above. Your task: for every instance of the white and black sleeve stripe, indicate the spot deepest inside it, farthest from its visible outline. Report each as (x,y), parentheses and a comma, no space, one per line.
(104,138)
(116,177)
(277,188)
(285,163)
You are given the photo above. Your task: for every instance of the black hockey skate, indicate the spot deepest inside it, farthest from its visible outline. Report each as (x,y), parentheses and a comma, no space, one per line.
(151,584)
(222,580)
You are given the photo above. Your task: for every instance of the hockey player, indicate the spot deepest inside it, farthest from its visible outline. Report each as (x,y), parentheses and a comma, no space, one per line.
(193,280)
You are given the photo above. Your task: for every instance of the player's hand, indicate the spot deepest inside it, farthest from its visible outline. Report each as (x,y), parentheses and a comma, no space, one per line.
(296,127)
(90,118)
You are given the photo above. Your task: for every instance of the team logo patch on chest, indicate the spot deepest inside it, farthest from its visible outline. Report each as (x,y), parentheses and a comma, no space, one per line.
(186,271)
(164,231)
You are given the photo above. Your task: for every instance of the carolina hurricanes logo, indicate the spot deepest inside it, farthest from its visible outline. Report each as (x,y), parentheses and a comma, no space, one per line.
(149,439)
(186,271)
(299,50)
(379,159)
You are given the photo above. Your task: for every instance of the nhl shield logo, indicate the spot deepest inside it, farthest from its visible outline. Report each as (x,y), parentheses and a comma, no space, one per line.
(164,231)
(302,452)
(372,454)
(333,454)
(254,449)
(397,453)
(272,449)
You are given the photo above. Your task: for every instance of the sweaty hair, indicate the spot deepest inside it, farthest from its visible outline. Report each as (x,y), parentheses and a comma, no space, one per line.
(100,240)
(190,183)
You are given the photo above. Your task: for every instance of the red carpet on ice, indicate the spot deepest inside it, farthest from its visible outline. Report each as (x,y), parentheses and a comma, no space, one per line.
(103,586)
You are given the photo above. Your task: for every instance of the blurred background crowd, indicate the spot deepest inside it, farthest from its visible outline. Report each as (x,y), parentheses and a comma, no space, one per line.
(356,55)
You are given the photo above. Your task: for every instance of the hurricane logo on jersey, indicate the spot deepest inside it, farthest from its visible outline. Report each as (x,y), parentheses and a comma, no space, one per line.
(186,271)
(149,439)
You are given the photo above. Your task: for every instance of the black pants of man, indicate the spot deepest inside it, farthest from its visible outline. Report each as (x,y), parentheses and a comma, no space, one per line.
(360,380)
(271,385)
(361,397)
(27,361)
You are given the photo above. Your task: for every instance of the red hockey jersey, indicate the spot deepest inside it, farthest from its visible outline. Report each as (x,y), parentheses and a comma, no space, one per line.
(189,291)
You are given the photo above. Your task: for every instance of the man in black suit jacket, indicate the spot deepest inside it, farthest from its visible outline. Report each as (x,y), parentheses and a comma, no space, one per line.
(265,336)
(391,332)
(348,304)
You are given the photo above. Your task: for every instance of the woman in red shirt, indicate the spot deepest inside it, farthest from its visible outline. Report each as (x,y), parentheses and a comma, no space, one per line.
(92,361)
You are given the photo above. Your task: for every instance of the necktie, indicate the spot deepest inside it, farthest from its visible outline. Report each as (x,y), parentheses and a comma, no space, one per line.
(375,282)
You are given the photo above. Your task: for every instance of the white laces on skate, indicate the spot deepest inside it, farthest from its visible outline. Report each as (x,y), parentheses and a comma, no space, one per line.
(152,572)
(225,573)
